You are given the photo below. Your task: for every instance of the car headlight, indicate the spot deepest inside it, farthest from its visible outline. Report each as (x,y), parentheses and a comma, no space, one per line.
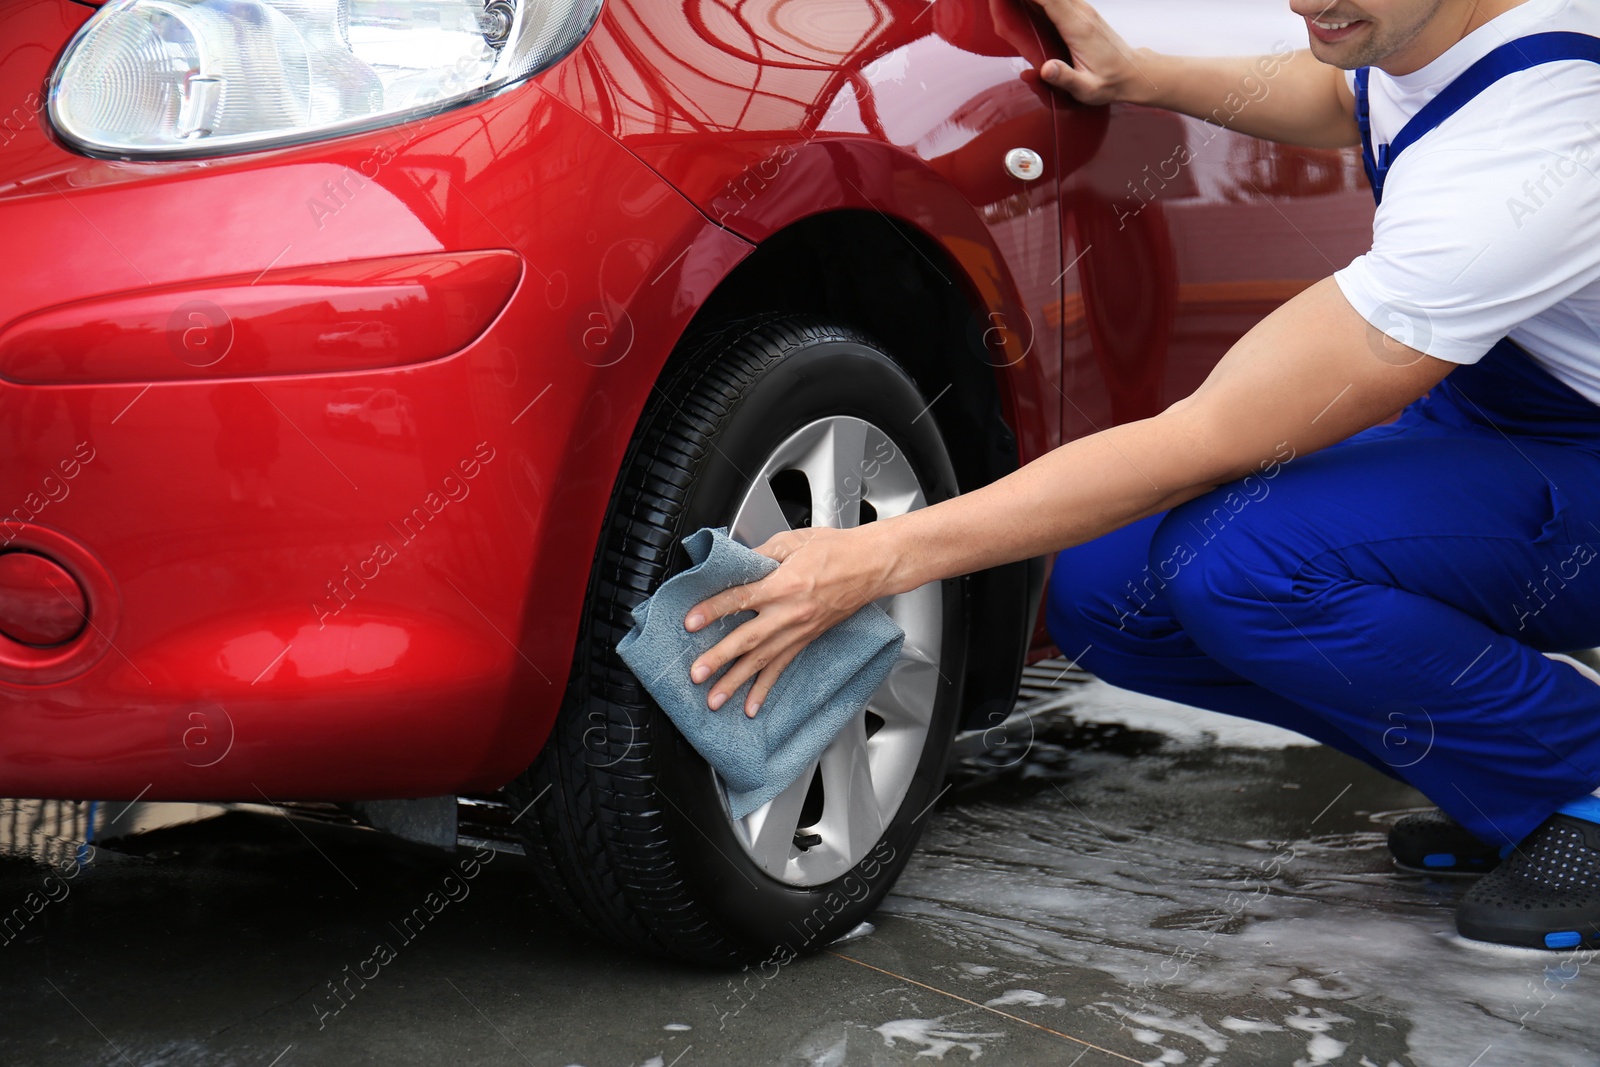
(172,78)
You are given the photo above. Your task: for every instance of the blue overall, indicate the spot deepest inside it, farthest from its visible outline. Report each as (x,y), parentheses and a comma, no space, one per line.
(1389,596)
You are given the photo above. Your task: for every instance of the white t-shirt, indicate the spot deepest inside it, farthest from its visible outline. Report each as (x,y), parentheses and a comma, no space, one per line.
(1490,223)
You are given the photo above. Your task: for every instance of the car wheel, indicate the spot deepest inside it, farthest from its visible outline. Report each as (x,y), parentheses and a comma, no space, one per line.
(762,426)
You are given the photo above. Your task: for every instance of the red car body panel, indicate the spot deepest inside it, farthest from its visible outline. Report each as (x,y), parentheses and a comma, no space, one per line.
(338,317)
(776,114)
(302,609)
(348,557)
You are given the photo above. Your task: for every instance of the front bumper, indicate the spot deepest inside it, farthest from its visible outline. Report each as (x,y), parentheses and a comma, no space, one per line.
(312,578)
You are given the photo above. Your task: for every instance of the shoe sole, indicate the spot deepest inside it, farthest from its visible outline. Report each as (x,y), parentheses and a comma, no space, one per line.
(1518,937)
(1443,872)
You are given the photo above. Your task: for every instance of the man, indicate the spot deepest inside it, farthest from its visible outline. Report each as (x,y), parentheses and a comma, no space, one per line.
(1392,595)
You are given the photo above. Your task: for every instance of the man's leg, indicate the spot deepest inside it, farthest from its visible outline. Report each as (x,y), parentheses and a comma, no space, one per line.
(1400,591)
(1108,612)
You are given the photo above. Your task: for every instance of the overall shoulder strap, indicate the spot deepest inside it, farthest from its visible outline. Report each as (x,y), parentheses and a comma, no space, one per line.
(1513,56)
(1364,122)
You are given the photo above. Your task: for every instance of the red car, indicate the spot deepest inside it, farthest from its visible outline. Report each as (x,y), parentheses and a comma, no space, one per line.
(362,365)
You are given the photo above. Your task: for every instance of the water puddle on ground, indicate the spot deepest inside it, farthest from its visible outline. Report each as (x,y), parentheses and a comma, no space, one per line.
(1220,891)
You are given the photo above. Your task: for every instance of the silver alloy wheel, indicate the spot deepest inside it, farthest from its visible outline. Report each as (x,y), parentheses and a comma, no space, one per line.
(849,466)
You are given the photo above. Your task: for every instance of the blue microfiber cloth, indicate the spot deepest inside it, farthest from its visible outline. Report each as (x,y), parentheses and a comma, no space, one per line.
(817,694)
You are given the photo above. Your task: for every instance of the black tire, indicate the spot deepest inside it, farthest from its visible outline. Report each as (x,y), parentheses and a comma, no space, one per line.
(627,826)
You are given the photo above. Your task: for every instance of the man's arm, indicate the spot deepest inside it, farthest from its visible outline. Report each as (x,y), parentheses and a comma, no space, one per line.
(1293,98)
(1311,373)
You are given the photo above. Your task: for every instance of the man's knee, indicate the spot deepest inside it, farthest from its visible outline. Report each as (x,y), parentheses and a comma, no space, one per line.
(1217,560)
(1085,606)
(1097,620)
(1102,593)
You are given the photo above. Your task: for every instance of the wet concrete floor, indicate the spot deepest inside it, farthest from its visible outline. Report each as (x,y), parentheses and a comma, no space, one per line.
(1125,882)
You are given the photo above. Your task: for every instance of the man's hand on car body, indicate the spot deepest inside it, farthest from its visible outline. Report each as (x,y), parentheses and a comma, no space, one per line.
(1103,68)
(1286,96)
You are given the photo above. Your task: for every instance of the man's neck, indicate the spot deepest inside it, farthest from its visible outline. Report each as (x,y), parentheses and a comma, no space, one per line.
(1450,23)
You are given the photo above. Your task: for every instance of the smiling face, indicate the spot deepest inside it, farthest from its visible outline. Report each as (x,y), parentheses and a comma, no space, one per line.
(1397,36)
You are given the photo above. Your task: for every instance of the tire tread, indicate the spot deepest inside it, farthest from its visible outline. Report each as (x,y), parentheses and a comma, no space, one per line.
(595,833)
